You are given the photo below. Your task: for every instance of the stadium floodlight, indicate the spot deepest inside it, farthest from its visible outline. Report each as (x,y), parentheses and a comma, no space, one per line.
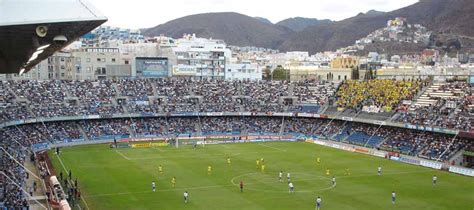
(21,71)
(43,47)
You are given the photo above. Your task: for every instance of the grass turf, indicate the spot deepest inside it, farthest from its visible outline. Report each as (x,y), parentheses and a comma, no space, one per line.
(121,178)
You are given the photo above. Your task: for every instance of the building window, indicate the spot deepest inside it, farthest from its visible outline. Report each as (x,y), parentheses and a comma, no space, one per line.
(113,60)
(98,59)
(126,61)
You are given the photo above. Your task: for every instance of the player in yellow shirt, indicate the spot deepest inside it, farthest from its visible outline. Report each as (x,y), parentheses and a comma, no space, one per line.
(318,160)
(209,170)
(257,163)
(228,161)
(328,172)
(160,169)
(173,181)
(263,167)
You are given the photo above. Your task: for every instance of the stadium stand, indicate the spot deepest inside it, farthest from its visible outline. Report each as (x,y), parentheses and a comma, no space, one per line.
(446,105)
(383,94)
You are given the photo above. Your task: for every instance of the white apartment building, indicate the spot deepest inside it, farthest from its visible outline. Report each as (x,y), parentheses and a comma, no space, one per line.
(200,57)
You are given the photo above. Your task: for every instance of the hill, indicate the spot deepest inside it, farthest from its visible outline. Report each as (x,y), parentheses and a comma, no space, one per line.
(300,23)
(450,20)
(234,28)
(440,16)
(263,20)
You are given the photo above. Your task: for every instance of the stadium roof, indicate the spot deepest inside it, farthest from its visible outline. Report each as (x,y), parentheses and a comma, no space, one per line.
(32,30)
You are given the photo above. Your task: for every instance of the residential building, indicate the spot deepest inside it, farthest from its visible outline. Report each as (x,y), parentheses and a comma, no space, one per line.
(347,62)
(243,71)
(315,72)
(199,57)
(93,63)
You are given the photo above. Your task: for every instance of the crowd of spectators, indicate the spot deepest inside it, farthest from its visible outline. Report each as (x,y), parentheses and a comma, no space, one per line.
(11,184)
(47,99)
(92,93)
(112,127)
(451,108)
(381,93)
(136,89)
(13,187)
(314,92)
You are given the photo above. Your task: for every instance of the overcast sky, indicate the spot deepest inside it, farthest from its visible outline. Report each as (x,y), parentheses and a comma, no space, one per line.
(148,13)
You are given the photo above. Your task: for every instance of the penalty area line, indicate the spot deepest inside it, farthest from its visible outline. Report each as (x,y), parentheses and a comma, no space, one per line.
(263,145)
(124,156)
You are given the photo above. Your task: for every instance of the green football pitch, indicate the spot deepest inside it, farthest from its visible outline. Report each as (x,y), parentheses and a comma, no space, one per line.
(121,178)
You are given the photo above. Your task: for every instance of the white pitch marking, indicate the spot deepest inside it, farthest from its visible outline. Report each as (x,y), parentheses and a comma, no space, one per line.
(236,184)
(225,146)
(163,190)
(65,169)
(264,145)
(121,154)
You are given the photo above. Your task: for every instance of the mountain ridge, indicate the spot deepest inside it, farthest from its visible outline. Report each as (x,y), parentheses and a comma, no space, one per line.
(450,21)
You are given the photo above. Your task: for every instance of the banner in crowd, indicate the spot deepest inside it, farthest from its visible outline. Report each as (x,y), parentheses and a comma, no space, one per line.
(361,150)
(39,147)
(347,118)
(395,158)
(381,154)
(371,109)
(410,160)
(302,114)
(122,145)
(159,144)
(431,164)
(141,145)
(461,170)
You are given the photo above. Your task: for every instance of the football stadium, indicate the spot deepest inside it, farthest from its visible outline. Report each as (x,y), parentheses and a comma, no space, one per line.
(176,141)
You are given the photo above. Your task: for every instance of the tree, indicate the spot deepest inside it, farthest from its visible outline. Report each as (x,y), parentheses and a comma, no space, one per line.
(279,73)
(267,74)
